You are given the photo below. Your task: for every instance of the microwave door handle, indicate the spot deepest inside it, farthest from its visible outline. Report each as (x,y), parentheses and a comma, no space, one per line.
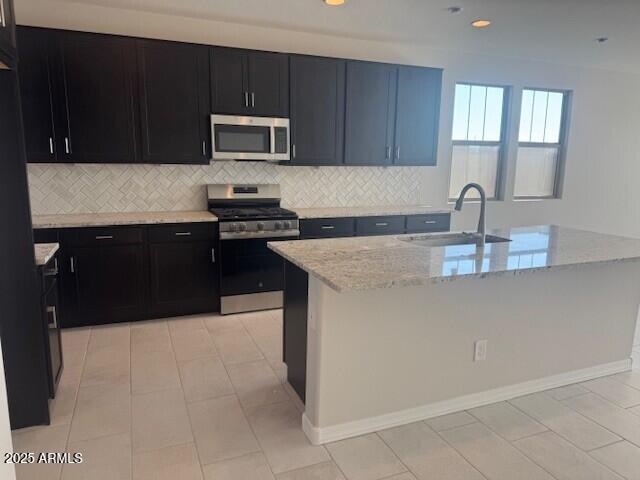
(272,135)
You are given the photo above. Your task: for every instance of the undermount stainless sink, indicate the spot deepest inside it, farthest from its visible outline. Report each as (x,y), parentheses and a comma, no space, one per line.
(445,239)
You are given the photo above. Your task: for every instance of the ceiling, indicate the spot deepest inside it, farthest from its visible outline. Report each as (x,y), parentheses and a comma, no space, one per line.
(560,31)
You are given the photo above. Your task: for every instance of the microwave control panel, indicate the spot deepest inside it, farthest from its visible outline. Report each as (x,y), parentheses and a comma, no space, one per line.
(280,135)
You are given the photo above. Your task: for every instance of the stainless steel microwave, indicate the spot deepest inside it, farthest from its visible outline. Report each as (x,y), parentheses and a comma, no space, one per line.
(250,138)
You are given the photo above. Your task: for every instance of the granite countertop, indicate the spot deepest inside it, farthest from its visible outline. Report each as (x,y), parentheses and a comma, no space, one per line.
(45,252)
(368,263)
(333,212)
(70,220)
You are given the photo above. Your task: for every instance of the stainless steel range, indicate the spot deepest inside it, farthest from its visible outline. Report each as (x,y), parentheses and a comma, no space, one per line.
(251,275)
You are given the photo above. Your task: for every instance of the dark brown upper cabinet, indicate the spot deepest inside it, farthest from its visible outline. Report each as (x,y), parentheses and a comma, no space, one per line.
(37,93)
(247,82)
(370,113)
(417,116)
(98,117)
(317,95)
(174,102)
(7,33)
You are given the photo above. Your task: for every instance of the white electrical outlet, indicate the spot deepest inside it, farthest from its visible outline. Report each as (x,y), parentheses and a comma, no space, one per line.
(480,351)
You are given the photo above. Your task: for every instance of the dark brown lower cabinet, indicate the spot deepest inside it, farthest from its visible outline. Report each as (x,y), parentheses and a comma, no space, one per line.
(51,323)
(131,273)
(106,284)
(182,278)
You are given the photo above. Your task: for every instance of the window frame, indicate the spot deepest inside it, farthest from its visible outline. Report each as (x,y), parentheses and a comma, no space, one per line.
(563,135)
(502,144)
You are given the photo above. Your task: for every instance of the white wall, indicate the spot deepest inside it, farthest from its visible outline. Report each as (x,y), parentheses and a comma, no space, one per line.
(603,161)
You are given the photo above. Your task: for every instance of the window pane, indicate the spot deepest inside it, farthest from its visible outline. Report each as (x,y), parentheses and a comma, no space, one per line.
(493,115)
(461,112)
(536,171)
(472,163)
(476,113)
(554,118)
(539,116)
(525,116)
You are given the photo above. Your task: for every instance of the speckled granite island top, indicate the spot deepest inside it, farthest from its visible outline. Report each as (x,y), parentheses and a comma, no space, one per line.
(335,212)
(73,220)
(45,252)
(367,263)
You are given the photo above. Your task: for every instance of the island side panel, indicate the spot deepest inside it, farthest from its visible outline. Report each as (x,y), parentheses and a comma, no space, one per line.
(386,357)
(294,340)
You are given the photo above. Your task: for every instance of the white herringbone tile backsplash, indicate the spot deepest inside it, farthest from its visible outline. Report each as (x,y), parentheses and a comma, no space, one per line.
(123,188)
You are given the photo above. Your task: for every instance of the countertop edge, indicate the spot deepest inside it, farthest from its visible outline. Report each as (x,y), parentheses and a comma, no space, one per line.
(42,222)
(44,252)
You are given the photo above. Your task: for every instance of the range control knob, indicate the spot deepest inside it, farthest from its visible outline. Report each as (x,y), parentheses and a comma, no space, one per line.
(243,227)
(278,225)
(233,227)
(286,224)
(260,225)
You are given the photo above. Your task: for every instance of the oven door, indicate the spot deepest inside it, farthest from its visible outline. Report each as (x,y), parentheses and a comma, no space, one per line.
(249,138)
(247,266)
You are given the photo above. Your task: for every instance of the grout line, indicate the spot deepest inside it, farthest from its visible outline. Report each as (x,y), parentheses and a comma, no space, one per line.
(242,409)
(186,405)
(454,448)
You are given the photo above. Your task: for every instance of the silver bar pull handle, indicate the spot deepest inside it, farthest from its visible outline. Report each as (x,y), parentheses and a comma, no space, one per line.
(430,222)
(253,99)
(51,145)
(293,150)
(387,154)
(54,315)
(204,148)
(104,237)
(246,99)
(213,255)
(67,148)
(3,20)
(382,224)
(182,234)
(398,152)
(73,264)
(327,227)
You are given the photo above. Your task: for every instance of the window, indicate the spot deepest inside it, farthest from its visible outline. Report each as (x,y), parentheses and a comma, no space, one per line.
(540,144)
(478,132)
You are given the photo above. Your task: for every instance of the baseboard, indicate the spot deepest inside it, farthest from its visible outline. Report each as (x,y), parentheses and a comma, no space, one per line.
(320,435)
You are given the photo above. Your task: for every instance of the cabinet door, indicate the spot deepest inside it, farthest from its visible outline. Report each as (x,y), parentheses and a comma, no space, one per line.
(109,284)
(96,72)
(269,84)
(174,101)
(7,31)
(417,116)
(370,114)
(53,340)
(36,94)
(184,278)
(317,110)
(229,84)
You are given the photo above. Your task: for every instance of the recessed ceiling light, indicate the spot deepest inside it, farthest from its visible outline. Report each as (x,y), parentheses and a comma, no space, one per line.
(334,2)
(480,23)
(454,10)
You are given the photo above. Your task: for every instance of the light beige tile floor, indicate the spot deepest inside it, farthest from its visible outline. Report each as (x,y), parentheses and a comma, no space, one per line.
(205,398)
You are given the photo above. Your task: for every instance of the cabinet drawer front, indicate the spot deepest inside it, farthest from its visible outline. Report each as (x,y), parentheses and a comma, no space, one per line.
(96,236)
(327,228)
(182,232)
(379,225)
(428,223)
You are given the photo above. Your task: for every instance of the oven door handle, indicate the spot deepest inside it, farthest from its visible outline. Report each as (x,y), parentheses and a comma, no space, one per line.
(272,135)
(259,235)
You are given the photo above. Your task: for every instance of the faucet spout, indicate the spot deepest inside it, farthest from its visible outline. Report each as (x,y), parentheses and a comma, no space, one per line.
(482,222)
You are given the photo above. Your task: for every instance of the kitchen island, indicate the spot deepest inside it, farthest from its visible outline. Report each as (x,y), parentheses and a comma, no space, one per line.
(384,331)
